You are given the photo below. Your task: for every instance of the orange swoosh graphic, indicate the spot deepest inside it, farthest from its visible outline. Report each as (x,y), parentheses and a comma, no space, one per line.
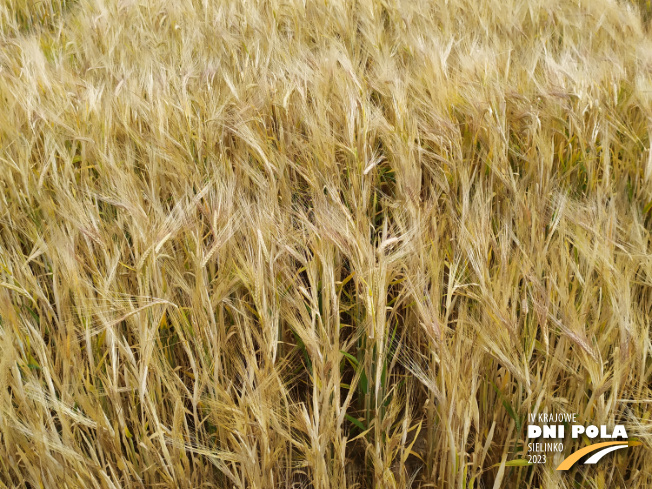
(574,457)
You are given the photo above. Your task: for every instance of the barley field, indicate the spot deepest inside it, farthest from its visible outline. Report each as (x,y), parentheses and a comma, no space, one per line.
(322,244)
